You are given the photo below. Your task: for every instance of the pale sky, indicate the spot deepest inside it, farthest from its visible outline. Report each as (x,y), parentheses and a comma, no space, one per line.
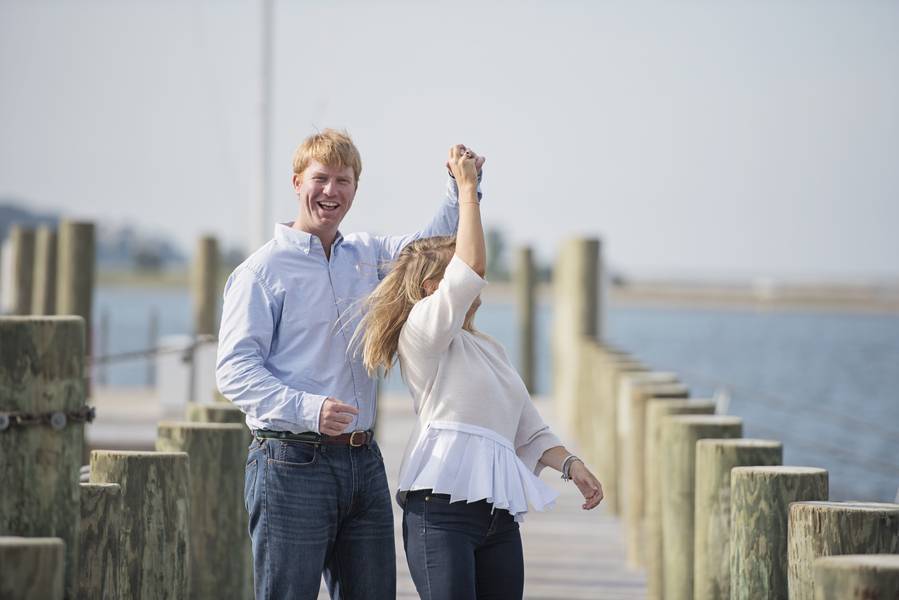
(721,139)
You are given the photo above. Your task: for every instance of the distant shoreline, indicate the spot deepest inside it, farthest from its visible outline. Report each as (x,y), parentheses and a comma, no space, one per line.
(866,299)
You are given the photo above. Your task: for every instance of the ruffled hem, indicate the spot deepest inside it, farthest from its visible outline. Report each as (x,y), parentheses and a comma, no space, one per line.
(473,463)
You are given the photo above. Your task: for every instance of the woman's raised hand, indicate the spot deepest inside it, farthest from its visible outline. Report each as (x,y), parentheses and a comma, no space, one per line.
(464,164)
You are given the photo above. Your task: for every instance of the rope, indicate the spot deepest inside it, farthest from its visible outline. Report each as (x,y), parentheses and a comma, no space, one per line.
(148,352)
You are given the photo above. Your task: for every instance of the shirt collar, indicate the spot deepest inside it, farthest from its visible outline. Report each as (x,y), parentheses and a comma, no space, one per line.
(286,234)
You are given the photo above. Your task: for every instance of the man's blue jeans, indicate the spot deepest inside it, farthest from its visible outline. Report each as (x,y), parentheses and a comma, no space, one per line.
(318,510)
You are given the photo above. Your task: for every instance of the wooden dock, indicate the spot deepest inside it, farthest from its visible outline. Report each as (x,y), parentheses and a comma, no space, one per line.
(569,553)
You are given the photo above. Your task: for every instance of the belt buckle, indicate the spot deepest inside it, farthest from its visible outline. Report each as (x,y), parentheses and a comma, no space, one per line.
(353,443)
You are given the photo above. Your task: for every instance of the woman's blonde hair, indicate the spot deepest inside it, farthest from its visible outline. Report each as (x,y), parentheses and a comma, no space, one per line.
(389,305)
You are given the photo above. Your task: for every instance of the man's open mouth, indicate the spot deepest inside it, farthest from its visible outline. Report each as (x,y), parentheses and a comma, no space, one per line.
(328,206)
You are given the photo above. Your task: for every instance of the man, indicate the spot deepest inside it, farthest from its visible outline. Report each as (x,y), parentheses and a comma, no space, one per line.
(315,488)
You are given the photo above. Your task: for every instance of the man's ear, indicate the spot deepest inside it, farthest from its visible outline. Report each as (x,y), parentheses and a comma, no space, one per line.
(297,182)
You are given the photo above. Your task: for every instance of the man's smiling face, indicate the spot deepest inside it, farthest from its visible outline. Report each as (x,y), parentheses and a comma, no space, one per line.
(326,194)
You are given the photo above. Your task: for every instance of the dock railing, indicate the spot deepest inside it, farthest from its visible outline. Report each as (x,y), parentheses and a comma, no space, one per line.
(709,514)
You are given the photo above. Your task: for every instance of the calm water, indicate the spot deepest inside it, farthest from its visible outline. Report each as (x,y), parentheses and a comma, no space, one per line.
(826,384)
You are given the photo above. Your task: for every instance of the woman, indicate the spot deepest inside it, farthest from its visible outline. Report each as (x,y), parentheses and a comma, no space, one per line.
(470,468)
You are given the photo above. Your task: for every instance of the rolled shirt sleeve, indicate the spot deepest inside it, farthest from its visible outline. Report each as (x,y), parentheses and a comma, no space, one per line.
(249,316)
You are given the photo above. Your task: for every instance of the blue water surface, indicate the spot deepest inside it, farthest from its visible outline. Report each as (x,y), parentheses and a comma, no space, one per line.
(826,384)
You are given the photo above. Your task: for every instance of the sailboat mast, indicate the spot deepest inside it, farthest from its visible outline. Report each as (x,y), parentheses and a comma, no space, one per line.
(260,211)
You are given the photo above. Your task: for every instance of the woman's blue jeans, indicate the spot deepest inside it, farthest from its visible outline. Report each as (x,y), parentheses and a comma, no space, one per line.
(319,510)
(462,551)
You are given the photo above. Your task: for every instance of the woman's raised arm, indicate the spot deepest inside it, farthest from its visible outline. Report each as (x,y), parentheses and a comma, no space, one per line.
(470,246)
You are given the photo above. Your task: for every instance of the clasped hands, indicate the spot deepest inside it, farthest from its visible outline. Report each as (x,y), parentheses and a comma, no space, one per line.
(464,165)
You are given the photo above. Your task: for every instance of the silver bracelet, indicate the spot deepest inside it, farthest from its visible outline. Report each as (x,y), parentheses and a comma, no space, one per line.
(566,466)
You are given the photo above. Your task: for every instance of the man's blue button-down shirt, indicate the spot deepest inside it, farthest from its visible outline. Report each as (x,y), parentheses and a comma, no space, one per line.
(289,315)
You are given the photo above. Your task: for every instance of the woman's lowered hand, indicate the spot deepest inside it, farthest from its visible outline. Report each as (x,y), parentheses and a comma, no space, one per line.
(587,483)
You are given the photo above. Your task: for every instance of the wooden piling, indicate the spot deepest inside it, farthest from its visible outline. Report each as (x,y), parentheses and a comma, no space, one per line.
(525,285)
(22,280)
(215,413)
(855,576)
(590,424)
(636,391)
(819,529)
(99,543)
(760,500)
(205,289)
(41,374)
(75,274)
(155,558)
(575,317)
(43,291)
(610,371)
(714,460)
(219,543)
(678,453)
(656,411)
(33,568)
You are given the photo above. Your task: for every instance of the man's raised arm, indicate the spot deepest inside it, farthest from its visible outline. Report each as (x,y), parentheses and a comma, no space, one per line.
(445,222)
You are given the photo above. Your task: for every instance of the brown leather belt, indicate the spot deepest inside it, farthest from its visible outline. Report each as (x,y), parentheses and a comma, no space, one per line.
(354,438)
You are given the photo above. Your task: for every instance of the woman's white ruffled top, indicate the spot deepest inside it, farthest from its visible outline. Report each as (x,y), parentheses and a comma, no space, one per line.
(478,435)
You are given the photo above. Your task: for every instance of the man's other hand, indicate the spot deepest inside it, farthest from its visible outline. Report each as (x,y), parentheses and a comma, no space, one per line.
(335,416)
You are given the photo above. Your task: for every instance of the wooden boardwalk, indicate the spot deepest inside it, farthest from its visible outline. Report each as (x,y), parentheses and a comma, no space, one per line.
(569,553)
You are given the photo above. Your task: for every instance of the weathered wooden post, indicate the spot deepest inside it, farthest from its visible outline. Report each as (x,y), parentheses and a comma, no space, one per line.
(819,529)
(714,460)
(155,557)
(99,543)
(22,247)
(610,372)
(525,284)
(861,576)
(575,316)
(43,291)
(590,389)
(152,340)
(215,413)
(75,274)
(759,507)
(32,568)
(678,453)
(219,543)
(205,286)
(101,370)
(656,411)
(636,391)
(42,417)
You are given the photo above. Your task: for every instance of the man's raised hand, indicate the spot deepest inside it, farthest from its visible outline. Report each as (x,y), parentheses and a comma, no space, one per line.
(335,416)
